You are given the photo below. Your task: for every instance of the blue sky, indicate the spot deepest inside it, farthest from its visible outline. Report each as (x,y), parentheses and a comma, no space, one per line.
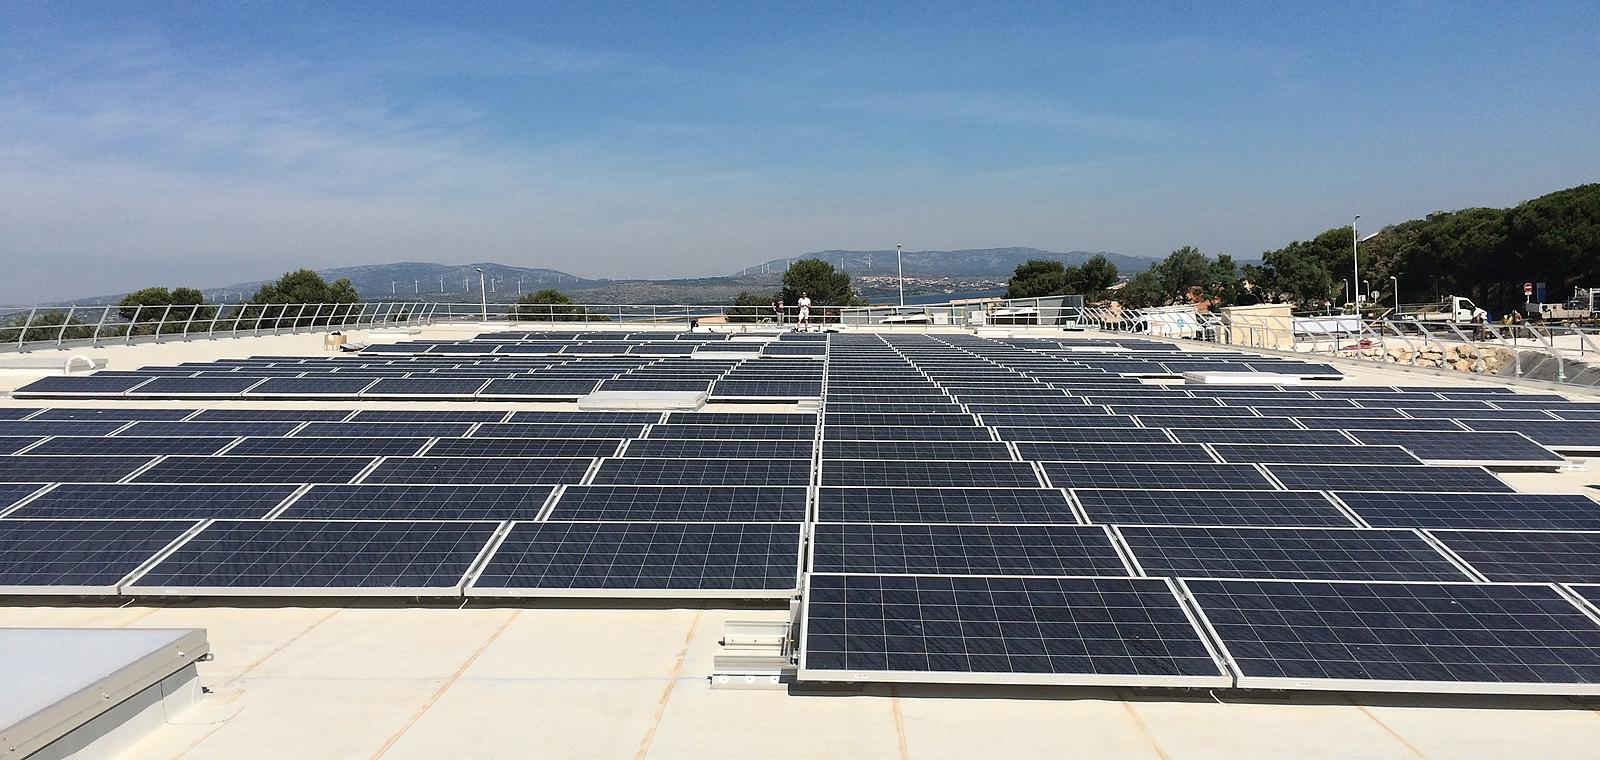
(191,143)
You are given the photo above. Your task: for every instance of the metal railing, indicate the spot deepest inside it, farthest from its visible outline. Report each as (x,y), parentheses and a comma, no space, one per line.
(43,327)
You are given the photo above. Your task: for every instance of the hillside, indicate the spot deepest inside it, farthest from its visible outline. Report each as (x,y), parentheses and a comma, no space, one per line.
(429,281)
(971,262)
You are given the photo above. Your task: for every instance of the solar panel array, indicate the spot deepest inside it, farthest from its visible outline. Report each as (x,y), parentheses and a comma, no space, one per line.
(959,509)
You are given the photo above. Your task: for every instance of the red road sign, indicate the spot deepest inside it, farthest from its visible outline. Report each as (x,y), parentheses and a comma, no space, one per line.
(1527,288)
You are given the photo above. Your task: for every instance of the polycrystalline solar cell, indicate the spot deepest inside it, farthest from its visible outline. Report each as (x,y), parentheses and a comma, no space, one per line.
(964,549)
(655,384)
(885,433)
(944,505)
(419,502)
(718,449)
(1530,556)
(79,556)
(85,385)
(916,450)
(11,444)
(596,418)
(195,386)
(1076,421)
(98,413)
(254,469)
(1119,435)
(155,501)
(1510,511)
(919,420)
(341,387)
(557,430)
(734,388)
(1458,446)
(641,558)
(1297,454)
(1555,434)
(131,445)
(1199,420)
(1101,631)
(733,432)
(1063,451)
(59,427)
(64,468)
(1357,554)
(681,504)
(741,418)
(709,472)
(424,387)
(878,472)
(1154,475)
(1360,423)
(428,415)
(193,429)
(1139,506)
(524,447)
(271,415)
(538,387)
(384,430)
(231,557)
(505,471)
(11,493)
(11,413)
(1339,477)
(1257,436)
(1484,638)
(319,447)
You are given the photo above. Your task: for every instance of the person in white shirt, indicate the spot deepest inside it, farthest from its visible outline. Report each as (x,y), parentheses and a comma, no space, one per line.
(805,312)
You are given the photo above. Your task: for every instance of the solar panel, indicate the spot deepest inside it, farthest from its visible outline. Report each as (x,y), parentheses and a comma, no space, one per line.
(1090,631)
(1257,436)
(625,383)
(1413,637)
(1529,556)
(209,387)
(322,385)
(784,389)
(916,450)
(524,447)
(1512,511)
(732,432)
(465,470)
(964,549)
(271,415)
(1357,554)
(707,472)
(12,413)
(419,502)
(1110,435)
(98,413)
(58,427)
(154,501)
(904,433)
(428,415)
(1201,420)
(131,445)
(895,420)
(384,430)
(537,387)
(1140,506)
(192,429)
(681,504)
(1339,477)
(376,558)
(424,387)
(643,559)
(12,444)
(558,430)
(1153,475)
(1061,451)
(11,493)
(738,448)
(319,447)
(741,418)
(99,385)
(78,556)
(1457,446)
(1300,454)
(254,469)
(55,469)
(944,505)
(1556,435)
(1359,423)
(588,418)
(928,473)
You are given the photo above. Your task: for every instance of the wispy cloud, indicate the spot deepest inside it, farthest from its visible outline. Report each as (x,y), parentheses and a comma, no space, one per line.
(1009,110)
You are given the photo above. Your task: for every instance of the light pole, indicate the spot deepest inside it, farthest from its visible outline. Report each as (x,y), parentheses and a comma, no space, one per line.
(483,293)
(1346,288)
(1355,261)
(901,269)
(1396,283)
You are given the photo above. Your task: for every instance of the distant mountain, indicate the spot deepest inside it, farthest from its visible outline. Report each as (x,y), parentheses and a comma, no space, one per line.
(426,280)
(971,262)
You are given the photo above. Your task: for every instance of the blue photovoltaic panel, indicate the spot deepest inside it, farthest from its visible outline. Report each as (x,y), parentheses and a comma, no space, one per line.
(254,469)
(322,447)
(11,493)
(419,502)
(1482,638)
(622,557)
(191,429)
(708,472)
(12,413)
(265,556)
(964,550)
(1358,423)
(464,470)
(732,432)
(1529,556)
(538,387)
(736,448)
(424,387)
(889,407)
(271,415)
(916,450)
(1354,554)
(1510,511)
(879,472)
(903,433)
(79,556)
(1063,630)
(524,447)
(195,386)
(944,505)
(131,445)
(384,429)
(1200,420)
(655,384)
(338,386)
(1154,475)
(898,420)
(606,418)
(58,427)
(1062,451)
(785,389)
(741,418)
(155,501)
(81,469)
(1136,506)
(1457,446)
(428,415)
(11,444)
(1081,435)
(1300,454)
(1340,477)
(1563,434)
(83,385)
(1254,436)
(681,504)
(98,413)
(558,430)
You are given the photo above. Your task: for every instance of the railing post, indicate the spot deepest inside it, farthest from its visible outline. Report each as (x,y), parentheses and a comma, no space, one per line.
(105,312)
(22,333)
(61,335)
(161,322)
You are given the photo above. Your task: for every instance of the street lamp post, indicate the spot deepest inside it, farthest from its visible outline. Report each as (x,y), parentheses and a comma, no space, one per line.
(900,268)
(1345,288)
(484,294)
(1396,281)
(1355,260)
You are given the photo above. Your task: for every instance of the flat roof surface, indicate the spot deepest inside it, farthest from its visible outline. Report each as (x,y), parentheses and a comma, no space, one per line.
(481,678)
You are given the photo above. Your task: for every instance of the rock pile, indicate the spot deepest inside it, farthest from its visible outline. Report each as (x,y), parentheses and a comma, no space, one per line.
(1462,357)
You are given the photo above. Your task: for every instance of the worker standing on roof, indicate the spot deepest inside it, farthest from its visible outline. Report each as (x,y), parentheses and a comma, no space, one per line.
(777,310)
(805,312)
